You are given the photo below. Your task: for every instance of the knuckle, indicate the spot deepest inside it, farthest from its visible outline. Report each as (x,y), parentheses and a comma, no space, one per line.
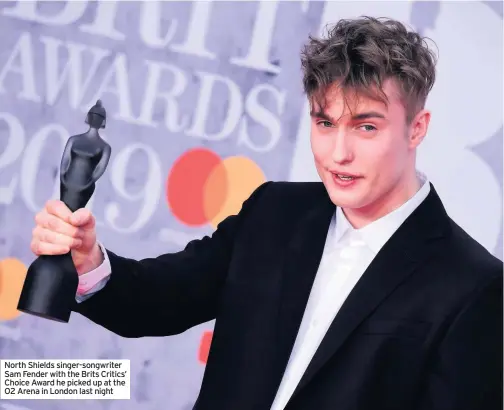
(66,240)
(45,236)
(42,220)
(75,243)
(52,223)
(36,234)
(76,233)
(34,247)
(39,218)
(50,204)
(56,207)
(71,231)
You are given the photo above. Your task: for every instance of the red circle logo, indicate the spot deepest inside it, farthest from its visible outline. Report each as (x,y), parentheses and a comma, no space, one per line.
(204,188)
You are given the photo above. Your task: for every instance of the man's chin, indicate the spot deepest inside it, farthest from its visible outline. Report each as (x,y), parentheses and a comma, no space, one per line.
(345,199)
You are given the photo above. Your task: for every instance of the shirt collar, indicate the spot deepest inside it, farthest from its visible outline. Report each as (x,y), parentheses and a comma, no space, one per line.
(377,233)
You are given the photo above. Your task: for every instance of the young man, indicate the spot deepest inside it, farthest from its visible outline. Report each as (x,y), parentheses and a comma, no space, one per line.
(355,293)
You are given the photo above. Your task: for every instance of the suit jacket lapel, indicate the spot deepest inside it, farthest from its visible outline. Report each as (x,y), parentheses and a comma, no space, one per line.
(410,245)
(302,258)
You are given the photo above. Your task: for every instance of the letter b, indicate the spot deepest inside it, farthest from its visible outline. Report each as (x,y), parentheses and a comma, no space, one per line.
(28,10)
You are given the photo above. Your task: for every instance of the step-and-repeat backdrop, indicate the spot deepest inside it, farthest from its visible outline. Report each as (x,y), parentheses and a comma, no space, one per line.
(204,102)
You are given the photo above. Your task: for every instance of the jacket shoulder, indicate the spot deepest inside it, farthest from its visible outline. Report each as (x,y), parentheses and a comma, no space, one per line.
(291,196)
(472,258)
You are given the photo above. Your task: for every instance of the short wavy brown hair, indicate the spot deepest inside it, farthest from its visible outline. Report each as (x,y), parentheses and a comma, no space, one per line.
(360,54)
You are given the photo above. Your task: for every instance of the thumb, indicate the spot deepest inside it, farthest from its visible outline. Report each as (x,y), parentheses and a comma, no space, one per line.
(83,218)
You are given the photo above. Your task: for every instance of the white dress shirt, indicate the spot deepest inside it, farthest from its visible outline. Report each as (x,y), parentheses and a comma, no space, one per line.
(347,254)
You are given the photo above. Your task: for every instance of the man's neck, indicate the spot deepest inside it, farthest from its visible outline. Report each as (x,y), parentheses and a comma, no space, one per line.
(390,201)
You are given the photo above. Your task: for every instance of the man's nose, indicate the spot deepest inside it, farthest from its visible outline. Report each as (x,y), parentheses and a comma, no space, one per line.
(342,151)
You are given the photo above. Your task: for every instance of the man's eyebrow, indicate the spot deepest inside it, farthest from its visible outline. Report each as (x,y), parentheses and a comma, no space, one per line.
(357,117)
(367,115)
(321,114)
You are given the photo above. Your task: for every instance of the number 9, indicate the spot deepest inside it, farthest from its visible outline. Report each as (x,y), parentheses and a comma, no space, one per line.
(149,194)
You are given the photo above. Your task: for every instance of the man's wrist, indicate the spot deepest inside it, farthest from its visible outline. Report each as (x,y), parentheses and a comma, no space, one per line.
(95,259)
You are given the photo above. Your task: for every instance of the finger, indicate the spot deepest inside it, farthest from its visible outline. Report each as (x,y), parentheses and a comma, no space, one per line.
(83,218)
(59,209)
(44,248)
(56,238)
(53,223)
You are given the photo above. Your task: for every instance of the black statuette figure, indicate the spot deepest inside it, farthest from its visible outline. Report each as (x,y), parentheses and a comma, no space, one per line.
(51,282)
(84,161)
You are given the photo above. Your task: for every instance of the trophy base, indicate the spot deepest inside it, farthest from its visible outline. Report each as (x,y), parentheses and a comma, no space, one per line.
(62,318)
(50,287)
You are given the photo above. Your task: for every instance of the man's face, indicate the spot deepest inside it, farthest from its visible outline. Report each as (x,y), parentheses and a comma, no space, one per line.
(364,151)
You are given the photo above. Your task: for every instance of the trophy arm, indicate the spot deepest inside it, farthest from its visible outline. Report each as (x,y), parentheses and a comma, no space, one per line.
(65,158)
(102,165)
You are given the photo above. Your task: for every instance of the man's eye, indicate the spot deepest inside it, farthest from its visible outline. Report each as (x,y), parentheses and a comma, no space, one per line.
(368,127)
(325,123)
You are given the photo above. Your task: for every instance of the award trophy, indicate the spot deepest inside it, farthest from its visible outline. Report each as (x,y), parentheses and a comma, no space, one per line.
(50,286)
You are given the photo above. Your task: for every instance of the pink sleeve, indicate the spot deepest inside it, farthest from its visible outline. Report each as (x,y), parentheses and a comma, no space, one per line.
(88,280)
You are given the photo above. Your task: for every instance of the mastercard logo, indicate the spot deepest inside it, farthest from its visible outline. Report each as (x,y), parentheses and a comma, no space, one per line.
(203,188)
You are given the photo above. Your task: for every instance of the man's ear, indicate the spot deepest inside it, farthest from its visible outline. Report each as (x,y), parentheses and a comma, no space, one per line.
(418,128)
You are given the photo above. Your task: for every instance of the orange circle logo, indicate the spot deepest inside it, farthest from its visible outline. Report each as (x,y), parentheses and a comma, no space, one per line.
(203,188)
(12,276)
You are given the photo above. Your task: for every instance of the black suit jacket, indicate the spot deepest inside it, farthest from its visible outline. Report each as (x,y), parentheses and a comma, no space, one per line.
(421,330)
